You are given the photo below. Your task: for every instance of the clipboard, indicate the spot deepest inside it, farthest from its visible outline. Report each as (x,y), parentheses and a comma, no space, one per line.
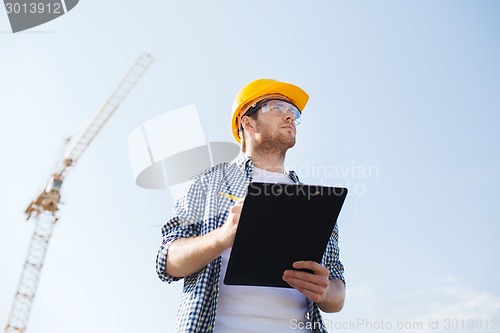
(280,224)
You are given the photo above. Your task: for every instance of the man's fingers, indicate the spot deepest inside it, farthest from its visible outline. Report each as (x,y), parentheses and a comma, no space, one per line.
(305,284)
(320,280)
(312,265)
(309,290)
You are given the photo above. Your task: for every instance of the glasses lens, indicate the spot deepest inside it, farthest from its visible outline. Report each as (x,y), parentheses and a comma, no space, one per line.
(282,107)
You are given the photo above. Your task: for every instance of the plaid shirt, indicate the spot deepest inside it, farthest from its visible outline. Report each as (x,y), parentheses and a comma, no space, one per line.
(199,210)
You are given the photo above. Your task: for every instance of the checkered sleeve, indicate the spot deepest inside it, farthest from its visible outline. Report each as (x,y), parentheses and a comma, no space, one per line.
(183,223)
(169,236)
(331,257)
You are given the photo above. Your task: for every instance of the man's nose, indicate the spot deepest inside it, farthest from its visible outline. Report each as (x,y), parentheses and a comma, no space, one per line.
(289,115)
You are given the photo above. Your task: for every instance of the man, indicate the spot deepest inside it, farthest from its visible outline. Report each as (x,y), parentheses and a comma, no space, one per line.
(199,234)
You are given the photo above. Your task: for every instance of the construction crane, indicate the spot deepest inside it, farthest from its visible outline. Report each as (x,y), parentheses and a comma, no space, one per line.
(45,207)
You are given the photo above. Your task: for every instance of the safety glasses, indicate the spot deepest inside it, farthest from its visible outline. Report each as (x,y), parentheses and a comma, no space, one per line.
(278,107)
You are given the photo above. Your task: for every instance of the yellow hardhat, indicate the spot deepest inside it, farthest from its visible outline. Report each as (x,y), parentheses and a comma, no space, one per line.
(255,89)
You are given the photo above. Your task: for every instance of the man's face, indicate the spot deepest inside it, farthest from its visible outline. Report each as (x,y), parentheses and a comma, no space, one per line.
(275,130)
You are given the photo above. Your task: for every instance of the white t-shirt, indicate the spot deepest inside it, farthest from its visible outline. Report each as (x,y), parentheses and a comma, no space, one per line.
(247,309)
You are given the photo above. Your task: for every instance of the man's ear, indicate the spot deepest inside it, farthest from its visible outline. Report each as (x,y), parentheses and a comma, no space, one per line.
(248,124)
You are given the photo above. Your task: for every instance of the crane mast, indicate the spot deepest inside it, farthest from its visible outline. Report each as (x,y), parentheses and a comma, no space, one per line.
(44,209)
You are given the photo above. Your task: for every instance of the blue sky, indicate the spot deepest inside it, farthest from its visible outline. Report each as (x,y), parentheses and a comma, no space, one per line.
(406,89)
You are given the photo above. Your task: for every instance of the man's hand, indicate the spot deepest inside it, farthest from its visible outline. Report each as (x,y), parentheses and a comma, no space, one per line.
(187,256)
(329,295)
(314,286)
(228,230)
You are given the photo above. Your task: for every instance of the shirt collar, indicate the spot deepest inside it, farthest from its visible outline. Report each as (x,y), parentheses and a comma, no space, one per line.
(246,166)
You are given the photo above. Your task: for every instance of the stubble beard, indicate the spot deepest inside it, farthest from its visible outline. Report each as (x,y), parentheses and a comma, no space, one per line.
(273,143)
